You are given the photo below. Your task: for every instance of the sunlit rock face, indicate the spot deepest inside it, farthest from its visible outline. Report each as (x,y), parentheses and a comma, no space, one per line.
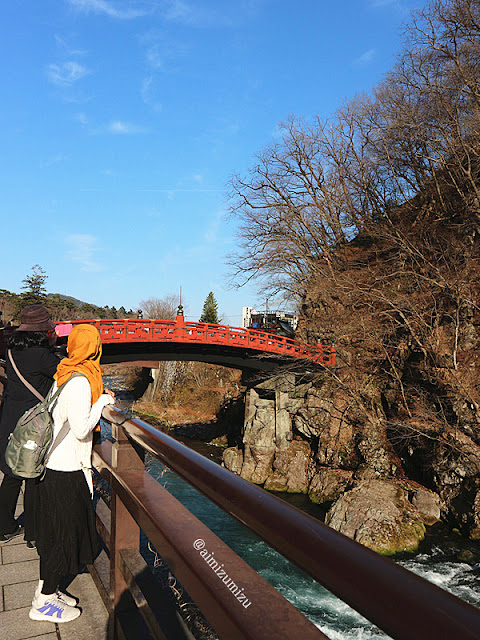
(379,515)
(328,484)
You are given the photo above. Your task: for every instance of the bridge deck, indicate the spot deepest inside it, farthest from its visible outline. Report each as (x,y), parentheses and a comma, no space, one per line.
(18,578)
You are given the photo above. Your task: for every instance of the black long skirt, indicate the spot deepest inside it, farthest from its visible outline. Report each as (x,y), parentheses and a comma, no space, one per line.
(67,538)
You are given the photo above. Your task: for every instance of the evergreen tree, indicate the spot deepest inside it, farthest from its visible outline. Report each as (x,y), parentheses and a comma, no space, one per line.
(34,287)
(210,310)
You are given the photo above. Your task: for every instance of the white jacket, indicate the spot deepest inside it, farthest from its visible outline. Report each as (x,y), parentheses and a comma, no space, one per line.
(74,405)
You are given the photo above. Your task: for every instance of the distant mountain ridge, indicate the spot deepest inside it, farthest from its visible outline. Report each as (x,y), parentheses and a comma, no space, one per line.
(75,301)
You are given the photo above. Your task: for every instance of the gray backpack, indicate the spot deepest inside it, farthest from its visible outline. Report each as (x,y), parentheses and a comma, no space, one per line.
(26,452)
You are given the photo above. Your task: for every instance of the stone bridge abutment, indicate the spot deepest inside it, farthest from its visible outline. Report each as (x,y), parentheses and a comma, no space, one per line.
(273,452)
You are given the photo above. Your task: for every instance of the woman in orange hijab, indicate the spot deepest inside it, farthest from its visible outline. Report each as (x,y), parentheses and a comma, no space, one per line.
(84,353)
(65,519)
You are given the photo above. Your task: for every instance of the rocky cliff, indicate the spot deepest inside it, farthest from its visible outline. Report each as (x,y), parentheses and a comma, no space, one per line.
(389,440)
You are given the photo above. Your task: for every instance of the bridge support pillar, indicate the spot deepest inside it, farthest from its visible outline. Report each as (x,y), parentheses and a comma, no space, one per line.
(250,405)
(267,428)
(153,376)
(283,422)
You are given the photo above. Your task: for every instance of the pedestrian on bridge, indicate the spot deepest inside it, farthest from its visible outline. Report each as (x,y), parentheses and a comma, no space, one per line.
(29,356)
(67,538)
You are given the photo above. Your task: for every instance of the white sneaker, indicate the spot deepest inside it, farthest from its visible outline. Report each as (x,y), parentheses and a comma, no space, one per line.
(70,600)
(52,609)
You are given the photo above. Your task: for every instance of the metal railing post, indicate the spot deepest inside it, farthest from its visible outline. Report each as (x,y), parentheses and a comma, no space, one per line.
(124,531)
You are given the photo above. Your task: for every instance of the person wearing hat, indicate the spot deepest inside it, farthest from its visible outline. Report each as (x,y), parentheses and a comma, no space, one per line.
(30,347)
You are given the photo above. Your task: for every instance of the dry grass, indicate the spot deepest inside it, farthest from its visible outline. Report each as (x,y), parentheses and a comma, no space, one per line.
(174,414)
(196,395)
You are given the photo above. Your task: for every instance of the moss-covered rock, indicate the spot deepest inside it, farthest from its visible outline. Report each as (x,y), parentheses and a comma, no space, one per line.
(378,514)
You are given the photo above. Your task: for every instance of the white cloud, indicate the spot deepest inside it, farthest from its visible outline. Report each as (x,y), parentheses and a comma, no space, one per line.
(213,229)
(174,190)
(365,58)
(211,244)
(115,127)
(218,134)
(65,47)
(192,14)
(161,52)
(82,250)
(394,4)
(219,14)
(185,12)
(178,10)
(148,94)
(53,160)
(66,74)
(156,57)
(81,118)
(119,10)
(118,127)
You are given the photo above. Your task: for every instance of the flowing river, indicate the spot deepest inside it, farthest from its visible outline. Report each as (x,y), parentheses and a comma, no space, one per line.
(441,558)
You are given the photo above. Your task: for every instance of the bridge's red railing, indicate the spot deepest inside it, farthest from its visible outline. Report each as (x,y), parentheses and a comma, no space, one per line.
(139,330)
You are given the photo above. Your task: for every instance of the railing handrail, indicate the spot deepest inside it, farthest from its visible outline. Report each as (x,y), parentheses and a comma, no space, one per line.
(404,605)
(239,603)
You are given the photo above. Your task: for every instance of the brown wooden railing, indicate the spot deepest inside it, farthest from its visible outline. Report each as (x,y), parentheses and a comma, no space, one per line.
(237,602)
(233,597)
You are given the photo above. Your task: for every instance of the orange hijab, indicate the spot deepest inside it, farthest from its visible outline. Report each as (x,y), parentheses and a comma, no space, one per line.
(84,352)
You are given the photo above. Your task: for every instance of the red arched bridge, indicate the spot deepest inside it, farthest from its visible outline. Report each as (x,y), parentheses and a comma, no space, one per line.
(148,341)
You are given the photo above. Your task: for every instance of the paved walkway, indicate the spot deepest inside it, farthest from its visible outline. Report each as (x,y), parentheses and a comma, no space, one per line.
(19,568)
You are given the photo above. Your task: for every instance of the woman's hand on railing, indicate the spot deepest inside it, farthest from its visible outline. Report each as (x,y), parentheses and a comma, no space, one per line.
(110,393)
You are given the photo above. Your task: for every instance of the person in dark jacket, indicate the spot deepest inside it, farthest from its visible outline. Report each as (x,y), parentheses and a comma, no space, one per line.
(31,349)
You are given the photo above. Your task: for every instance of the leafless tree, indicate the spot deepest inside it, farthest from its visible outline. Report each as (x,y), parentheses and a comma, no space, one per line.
(373,216)
(160,308)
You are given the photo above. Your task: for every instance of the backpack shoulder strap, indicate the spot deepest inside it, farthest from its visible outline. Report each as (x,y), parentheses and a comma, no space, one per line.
(51,398)
(61,435)
(27,384)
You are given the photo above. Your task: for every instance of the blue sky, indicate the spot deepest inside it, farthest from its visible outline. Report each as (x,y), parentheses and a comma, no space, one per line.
(122,121)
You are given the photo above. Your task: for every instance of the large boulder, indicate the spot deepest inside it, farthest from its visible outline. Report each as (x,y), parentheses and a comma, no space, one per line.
(428,505)
(290,469)
(257,463)
(258,438)
(378,514)
(328,484)
(253,463)
(233,460)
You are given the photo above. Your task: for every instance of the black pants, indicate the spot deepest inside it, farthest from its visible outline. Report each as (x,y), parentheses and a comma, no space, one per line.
(9,492)
(51,581)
